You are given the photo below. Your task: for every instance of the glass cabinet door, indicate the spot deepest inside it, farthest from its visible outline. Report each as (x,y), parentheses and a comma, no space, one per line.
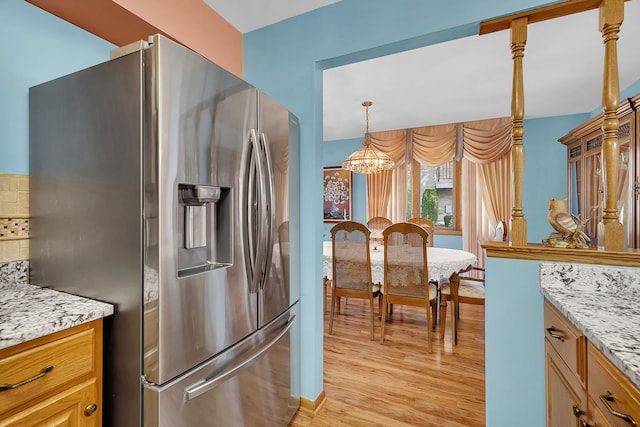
(594,193)
(624,197)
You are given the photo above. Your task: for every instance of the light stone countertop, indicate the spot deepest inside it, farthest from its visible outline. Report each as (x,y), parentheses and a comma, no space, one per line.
(28,312)
(604,304)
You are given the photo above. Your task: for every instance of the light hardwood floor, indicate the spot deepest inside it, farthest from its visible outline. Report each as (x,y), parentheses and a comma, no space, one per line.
(400,383)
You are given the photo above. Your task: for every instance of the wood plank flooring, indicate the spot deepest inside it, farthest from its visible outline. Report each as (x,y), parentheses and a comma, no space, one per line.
(400,383)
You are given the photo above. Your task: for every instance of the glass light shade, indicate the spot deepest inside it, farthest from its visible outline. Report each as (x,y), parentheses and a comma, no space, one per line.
(367,160)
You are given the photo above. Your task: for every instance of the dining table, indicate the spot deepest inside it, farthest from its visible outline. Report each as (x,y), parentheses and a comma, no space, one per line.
(442,263)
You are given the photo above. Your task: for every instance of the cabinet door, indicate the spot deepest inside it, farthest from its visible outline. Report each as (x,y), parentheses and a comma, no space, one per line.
(66,409)
(626,196)
(596,417)
(563,394)
(594,186)
(611,391)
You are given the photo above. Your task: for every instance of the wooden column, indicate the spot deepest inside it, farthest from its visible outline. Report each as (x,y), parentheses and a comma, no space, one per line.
(518,41)
(611,16)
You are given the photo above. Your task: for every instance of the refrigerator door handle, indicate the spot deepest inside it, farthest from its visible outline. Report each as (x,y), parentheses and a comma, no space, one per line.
(248,208)
(270,211)
(258,261)
(204,386)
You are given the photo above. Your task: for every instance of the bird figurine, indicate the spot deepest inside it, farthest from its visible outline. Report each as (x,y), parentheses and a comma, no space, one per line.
(569,227)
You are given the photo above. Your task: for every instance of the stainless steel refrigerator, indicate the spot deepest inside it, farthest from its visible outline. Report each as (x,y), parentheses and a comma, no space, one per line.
(168,187)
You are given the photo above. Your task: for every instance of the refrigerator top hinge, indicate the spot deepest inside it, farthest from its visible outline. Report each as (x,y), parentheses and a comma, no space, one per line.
(127,49)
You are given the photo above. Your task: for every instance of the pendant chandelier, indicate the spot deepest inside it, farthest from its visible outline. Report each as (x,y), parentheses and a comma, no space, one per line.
(367,159)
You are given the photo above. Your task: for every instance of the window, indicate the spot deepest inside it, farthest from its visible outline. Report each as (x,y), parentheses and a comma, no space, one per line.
(433,193)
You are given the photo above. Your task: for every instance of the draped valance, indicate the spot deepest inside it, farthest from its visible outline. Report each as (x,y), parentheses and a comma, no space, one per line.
(434,145)
(392,143)
(480,141)
(486,141)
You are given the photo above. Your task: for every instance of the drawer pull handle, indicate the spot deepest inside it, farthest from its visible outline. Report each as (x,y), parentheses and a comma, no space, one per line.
(583,423)
(577,412)
(553,332)
(606,399)
(42,373)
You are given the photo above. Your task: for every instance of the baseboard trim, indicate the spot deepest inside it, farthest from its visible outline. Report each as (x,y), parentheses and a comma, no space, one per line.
(312,407)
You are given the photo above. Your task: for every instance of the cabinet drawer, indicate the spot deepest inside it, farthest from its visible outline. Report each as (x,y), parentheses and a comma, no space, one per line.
(606,379)
(64,409)
(70,353)
(566,340)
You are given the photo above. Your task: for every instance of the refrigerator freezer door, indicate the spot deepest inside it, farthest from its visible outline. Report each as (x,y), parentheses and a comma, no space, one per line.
(251,384)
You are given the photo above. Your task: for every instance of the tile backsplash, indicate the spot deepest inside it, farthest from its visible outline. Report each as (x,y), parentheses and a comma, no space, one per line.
(14,218)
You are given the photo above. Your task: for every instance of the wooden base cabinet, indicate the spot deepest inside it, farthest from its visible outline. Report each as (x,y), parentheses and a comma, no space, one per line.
(55,380)
(564,397)
(584,389)
(614,397)
(565,371)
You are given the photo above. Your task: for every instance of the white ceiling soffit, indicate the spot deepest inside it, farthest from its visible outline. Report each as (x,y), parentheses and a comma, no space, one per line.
(249,15)
(470,78)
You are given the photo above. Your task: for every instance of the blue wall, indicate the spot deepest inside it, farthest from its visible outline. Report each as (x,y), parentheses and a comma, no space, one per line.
(287,59)
(36,47)
(514,345)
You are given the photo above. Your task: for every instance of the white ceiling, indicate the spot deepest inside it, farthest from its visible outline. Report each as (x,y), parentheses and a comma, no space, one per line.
(249,15)
(464,79)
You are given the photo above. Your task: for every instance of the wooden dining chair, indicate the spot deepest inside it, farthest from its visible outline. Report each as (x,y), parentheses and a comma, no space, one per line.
(471,289)
(351,267)
(406,275)
(427,225)
(377,224)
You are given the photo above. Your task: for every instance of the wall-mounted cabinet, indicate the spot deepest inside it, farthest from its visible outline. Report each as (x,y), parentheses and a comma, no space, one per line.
(585,173)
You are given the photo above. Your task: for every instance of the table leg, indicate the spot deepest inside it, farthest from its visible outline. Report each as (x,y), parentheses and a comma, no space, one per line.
(454,282)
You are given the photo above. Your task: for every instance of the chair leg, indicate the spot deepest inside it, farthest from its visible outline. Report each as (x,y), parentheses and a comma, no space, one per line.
(454,323)
(371,312)
(333,307)
(325,283)
(443,317)
(428,328)
(434,313)
(384,318)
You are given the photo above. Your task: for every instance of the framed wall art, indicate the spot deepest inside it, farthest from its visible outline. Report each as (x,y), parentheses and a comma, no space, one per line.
(336,194)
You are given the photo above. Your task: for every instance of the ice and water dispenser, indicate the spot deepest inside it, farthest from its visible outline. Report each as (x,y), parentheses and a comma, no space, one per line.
(205,215)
